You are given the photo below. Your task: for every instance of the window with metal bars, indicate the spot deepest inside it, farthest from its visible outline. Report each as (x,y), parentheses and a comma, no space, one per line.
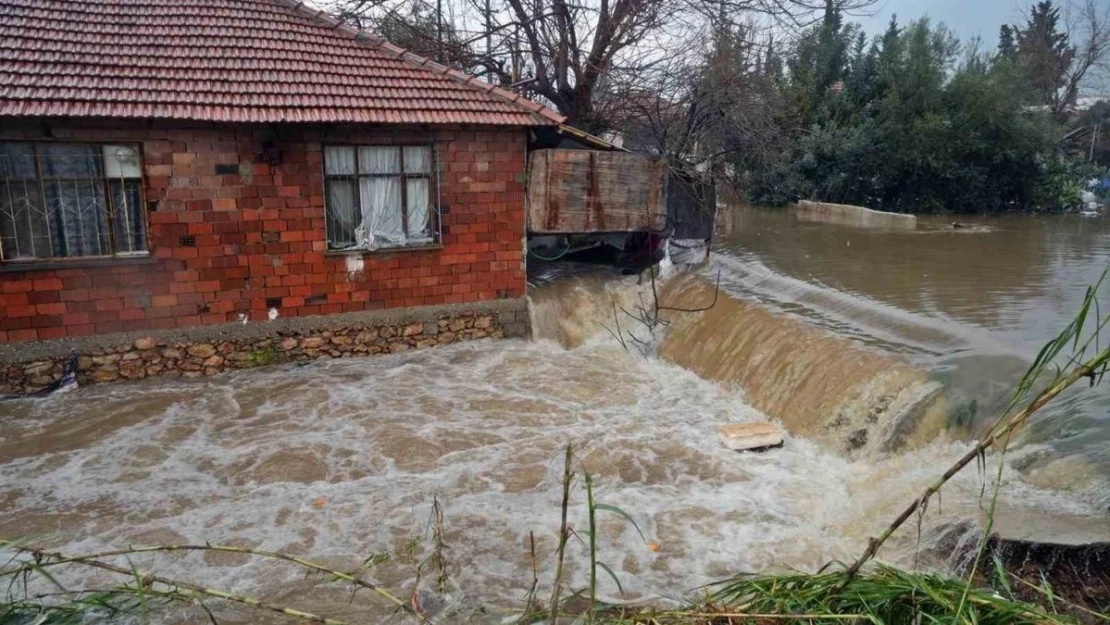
(70,200)
(380,196)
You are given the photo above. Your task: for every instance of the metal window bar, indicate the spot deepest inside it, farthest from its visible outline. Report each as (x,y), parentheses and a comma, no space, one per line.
(338,234)
(21,190)
(125,201)
(68,207)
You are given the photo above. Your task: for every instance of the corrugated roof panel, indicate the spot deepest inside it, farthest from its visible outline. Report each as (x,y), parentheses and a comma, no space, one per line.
(228,60)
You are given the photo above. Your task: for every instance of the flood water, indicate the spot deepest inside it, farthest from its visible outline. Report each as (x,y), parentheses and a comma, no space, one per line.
(970,305)
(856,342)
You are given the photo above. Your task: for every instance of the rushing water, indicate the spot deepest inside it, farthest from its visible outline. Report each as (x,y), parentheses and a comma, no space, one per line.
(970,305)
(338,460)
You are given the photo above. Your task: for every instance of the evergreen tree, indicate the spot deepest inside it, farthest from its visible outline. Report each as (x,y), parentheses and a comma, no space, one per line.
(1044,52)
(1007,48)
(913,130)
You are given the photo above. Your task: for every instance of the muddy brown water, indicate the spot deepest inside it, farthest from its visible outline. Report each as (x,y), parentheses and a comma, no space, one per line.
(969,305)
(338,460)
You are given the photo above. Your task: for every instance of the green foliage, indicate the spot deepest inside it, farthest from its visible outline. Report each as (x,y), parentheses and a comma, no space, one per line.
(881,595)
(1044,51)
(905,123)
(264,355)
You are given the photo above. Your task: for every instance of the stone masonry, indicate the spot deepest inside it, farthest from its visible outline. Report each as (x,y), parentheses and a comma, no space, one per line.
(212,350)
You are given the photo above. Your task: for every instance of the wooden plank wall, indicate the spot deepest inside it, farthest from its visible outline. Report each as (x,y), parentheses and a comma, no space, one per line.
(573,191)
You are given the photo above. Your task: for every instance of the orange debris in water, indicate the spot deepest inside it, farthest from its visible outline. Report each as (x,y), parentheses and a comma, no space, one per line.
(654,547)
(319,502)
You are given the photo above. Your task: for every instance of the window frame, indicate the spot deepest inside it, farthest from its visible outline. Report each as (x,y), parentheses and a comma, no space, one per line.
(109,204)
(435,228)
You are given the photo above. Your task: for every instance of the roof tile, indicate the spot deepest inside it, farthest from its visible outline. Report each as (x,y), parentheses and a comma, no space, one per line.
(229,60)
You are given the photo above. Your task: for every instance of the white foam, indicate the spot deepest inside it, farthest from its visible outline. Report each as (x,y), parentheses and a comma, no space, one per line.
(481,426)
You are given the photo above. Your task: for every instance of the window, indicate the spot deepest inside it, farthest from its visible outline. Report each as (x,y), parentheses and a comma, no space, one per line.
(379,197)
(70,200)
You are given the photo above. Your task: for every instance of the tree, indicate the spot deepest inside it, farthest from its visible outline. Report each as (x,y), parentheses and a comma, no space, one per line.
(420,30)
(1044,52)
(916,131)
(699,108)
(1007,46)
(1057,57)
(1090,27)
(819,64)
(570,52)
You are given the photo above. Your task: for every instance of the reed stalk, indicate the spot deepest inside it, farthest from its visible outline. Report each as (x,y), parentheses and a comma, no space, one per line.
(564,535)
(145,579)
(593,540)
(56,559)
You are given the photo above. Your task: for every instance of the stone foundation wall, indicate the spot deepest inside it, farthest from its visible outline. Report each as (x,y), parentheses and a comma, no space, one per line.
(212,350)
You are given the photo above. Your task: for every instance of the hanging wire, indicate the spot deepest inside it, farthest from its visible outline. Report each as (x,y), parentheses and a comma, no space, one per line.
(553,258)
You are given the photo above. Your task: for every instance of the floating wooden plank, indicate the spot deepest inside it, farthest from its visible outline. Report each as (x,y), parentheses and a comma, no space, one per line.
(750,436)
(573,191)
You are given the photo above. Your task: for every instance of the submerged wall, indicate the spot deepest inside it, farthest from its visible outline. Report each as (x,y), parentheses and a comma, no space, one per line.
(849,215)
(209,350)
(848,398)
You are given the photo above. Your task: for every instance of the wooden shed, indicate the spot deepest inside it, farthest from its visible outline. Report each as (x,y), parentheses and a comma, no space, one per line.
(579,191)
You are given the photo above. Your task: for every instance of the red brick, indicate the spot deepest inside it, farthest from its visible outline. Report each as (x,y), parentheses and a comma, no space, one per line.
(232,262)
(75,318)
(56,332)
(15,299)
(132,314)
(15,285)
(108,327)
(112,304)
(84,329)
(23,335)
(48,284)
(51,309)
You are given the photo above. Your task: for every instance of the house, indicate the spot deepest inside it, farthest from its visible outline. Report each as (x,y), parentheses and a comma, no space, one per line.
(190,184)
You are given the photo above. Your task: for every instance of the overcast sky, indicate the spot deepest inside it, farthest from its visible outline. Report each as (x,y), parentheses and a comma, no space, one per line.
(966,18)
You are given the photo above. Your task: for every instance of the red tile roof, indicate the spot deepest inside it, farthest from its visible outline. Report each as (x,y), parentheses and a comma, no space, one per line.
(229,61)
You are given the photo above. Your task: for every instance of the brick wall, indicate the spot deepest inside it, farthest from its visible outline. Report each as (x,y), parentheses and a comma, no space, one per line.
(259,234)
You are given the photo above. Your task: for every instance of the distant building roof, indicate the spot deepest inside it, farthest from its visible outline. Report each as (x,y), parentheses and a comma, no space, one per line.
(1084,102)
(229,61)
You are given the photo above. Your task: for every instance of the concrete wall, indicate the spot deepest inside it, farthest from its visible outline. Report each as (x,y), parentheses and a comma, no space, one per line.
(849,215)
(227,245)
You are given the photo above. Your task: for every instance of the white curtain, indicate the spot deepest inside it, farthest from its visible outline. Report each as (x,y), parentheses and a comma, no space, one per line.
(418,210)
(381,215)
(381,197)
(339,160)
